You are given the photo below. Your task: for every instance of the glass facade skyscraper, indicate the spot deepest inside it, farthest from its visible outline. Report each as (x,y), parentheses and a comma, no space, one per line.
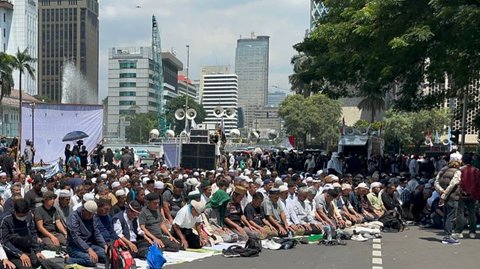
(251,67)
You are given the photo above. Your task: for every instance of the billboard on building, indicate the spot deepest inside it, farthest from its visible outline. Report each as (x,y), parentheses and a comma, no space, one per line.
(51,122)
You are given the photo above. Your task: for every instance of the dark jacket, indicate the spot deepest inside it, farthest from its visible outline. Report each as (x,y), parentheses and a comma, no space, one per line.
(105,225)
(125,230)
(18,236)
(78,234)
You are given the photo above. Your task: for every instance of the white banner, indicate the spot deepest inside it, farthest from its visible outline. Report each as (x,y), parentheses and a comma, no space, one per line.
(51,122)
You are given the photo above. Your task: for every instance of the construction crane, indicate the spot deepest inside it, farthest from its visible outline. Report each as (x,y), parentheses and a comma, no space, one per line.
(158,76)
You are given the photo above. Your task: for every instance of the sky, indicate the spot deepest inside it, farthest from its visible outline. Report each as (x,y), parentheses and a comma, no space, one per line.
(210,27)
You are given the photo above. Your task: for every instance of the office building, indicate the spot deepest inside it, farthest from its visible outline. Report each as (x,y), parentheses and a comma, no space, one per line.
(276,97)
(251,66)
(130,85)
(191,86)
(220,90)
(68,33)
(317,10)
(6,12)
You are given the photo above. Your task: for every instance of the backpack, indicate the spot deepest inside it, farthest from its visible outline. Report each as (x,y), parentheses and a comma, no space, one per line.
(155,257)
(254,243)
(391,221)
(119,256)
(238,251)
(470,182)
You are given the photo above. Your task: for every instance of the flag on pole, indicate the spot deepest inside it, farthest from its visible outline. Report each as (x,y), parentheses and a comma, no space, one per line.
(194,124)
(437,138)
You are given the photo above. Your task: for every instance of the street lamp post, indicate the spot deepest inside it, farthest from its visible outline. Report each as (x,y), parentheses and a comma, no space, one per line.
(32,106)
(186,91)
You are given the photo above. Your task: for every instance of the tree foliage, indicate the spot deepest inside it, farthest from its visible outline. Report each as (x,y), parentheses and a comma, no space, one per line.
(369,47)
(6,77)
(406,128)
(179,102)
(140,126)
(316,115)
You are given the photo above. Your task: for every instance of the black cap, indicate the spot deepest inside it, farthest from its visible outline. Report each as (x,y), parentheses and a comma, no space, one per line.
(178,184)
(152,196)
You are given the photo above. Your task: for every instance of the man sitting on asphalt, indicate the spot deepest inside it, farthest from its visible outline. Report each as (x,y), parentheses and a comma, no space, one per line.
(103,220)
(187,218)
(256,216)
(48,222)
(153,226)
(63,206)
(173,200)
(326,209)
(375,199)
(235,219)
(86,245)
(19,237)
(127,228)
(359,201)
(345,207)
(275,213)
(121,202)
(302,210)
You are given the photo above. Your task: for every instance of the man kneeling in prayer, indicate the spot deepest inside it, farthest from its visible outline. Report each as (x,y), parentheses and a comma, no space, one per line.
(187,218)
(127,228)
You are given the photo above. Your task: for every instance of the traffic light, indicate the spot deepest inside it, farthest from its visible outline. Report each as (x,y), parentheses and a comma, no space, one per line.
(454,135)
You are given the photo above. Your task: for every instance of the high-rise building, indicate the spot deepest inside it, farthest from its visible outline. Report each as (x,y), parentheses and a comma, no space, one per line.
(6,11)
(189,88)
(251,66)
(220,90)
(212,69)
(317,10)
(68,32)
(22,34)
(130,85)
(276,97)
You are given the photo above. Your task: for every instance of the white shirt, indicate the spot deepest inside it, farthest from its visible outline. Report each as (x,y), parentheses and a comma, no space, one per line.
(117,227)
(185,219)
(3,255)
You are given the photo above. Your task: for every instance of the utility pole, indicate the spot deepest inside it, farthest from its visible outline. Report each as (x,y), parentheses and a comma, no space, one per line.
(186,91)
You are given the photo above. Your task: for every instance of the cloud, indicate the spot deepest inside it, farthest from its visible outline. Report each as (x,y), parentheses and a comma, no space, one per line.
(210,27)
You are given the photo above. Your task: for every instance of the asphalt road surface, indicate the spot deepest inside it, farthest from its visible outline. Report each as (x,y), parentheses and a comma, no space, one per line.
(411,249)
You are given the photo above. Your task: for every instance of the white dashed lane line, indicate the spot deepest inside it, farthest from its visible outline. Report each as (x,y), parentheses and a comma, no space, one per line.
(377,260)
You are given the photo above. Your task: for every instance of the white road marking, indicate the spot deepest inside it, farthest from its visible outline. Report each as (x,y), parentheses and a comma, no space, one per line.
(377,246)
(377,253)
(377,240)
(377,260)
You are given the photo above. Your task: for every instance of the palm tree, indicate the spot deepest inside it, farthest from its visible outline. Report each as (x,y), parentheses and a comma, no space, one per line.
(6,78)
(301,63)
(374,102)
(22,62)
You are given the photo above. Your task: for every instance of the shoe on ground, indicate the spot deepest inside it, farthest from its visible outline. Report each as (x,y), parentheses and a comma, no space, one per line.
(457,235)
(270,244)
(358,238)
(450,241)
(472,235)
(368,236)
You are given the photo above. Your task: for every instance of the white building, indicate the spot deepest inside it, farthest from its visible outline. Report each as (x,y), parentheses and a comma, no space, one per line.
(130,85)
(220,90)
(23,35)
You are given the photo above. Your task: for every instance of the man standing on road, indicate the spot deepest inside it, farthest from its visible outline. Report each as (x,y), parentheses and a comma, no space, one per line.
(469,193)
(447,185)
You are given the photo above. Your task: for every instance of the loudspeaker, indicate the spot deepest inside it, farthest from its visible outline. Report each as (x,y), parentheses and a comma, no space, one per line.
(198,156)
(199,139)
(198,132)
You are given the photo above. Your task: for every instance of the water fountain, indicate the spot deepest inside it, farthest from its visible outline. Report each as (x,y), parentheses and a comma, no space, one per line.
(75,87)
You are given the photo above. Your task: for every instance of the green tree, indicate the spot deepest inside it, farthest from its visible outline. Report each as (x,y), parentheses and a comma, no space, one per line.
(316,115)
(179,102)
(6,75)
(140,126)
(394,45)
(404,128)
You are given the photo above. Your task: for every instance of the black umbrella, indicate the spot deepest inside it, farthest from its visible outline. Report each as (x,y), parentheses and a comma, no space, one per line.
(73,136)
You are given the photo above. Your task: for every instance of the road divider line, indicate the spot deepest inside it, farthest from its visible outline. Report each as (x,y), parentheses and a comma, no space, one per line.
(377,253)
(377,246)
